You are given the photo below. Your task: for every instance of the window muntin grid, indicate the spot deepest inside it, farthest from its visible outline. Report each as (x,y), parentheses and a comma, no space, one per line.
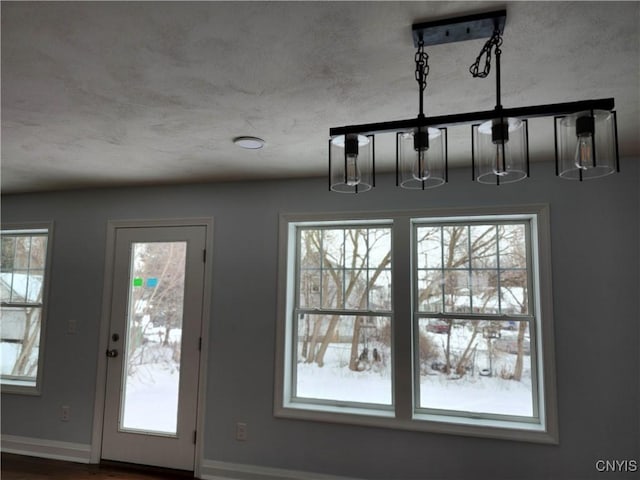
(343,268)
(489,265)
(343,283)
(481,268)
(406,411)
(23,266)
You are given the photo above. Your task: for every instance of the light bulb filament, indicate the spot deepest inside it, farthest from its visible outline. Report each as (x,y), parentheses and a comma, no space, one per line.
(353,171)
(583,158)
(500,166)
(500,138)
(420,169)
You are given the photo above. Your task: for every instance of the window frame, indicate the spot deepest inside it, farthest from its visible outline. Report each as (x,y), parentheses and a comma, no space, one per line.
(16,385)
(343,311)
(288,292)
(405,415)
(529,221)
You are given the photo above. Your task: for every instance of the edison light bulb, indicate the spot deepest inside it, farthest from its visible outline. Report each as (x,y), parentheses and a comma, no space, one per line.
(420,170)
(353,171)
(500,165)
(583,158)
(500,138)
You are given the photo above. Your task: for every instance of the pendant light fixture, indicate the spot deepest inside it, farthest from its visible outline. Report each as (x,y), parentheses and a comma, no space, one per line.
(499,148)
(586,140)
(421,152)
(586,145)
(351,163)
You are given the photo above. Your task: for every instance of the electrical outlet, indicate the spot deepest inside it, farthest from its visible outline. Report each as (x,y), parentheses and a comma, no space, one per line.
(65,413)
(241,432)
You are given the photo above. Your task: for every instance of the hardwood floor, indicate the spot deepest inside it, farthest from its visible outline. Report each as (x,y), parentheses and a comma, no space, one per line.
(18,467)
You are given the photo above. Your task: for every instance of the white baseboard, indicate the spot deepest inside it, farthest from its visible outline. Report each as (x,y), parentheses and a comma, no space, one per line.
(209,469)
(215,470)
(37,447)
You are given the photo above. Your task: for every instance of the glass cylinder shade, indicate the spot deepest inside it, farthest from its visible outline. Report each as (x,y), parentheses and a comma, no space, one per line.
(421,158)
(351,163)
(586,145)
(500,151)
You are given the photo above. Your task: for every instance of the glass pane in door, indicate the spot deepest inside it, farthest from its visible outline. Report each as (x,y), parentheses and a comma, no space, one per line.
(151,377)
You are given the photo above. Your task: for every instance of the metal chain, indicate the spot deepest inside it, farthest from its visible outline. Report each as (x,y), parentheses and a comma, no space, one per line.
(422,66)
(494,42)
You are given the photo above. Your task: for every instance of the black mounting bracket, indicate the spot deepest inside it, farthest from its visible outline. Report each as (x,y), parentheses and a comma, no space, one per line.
(450,30)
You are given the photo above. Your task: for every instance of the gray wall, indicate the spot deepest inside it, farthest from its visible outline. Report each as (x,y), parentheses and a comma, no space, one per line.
(595,241)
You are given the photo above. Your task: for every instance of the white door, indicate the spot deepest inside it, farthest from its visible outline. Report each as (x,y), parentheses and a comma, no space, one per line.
(154,342)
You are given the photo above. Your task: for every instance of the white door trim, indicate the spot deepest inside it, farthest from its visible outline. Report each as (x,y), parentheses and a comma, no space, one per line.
(101,374)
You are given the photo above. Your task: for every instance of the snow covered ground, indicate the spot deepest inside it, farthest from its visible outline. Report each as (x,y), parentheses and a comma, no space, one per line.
(333,382)
(472,393)
(476,394)
(151,398)
(9,353)
(152,389)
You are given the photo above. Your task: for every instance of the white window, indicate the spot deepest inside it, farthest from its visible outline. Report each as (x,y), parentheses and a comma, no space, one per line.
(342,315)
(434,322)
(23,282)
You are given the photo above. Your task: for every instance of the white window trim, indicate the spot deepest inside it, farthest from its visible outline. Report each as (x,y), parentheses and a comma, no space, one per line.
(404,418)
(23,387)
(531,318)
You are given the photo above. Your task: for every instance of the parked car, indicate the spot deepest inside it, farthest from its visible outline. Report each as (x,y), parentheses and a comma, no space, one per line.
(438,326)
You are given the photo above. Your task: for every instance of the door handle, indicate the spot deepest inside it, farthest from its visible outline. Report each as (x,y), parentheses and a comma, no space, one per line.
(112,353)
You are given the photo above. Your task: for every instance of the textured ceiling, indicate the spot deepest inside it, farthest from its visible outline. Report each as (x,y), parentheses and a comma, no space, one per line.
(124,93)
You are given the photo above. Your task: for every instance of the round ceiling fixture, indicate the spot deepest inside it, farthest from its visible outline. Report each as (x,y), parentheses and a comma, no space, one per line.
(251,143)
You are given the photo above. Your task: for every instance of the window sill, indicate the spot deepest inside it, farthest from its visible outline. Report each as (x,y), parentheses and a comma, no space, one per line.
(470,427)
(309,410)
(20,387)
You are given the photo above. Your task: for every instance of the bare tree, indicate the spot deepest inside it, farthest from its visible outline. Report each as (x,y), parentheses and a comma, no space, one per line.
(158,297)
(25,365)
(510,285)
(337,286)
(25,256)
(460,248)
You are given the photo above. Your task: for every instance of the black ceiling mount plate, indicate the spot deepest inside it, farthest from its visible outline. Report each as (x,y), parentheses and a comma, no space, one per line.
(449,30)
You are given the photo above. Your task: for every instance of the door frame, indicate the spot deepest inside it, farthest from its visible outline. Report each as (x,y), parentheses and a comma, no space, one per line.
(107,292)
